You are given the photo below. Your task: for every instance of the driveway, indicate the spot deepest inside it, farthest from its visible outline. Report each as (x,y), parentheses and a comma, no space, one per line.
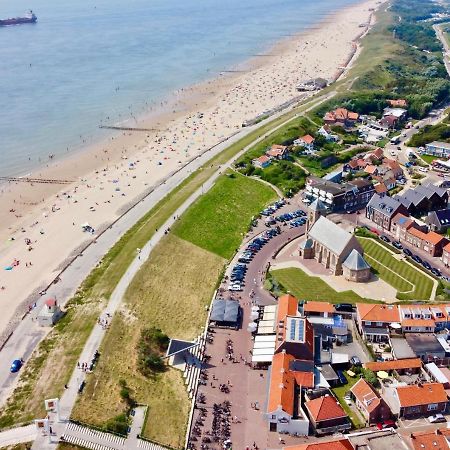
(353,348)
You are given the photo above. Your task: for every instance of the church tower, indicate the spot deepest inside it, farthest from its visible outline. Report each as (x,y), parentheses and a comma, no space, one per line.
(315,210)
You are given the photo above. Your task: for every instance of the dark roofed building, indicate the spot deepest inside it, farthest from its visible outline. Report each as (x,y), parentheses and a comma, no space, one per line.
(425,345)
(439,220)
(382,209)
(225,313)
(355,267)
(349,196)
(424,198)
(332,245)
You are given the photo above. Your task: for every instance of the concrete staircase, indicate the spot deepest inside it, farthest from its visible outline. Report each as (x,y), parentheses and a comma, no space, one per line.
(194,364)
(146,445)
(93,439)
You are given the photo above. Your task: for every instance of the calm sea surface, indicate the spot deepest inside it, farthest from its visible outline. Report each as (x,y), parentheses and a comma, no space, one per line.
(87,60)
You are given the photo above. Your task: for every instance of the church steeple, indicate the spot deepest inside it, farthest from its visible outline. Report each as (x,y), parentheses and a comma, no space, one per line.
(315,210)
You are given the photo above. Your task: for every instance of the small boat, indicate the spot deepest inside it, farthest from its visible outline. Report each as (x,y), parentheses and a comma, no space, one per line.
(30,17)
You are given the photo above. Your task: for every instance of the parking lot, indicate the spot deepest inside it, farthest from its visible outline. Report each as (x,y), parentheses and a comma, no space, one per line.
(279,224)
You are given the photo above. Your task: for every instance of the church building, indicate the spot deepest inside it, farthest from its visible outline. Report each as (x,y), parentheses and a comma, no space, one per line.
(332,246)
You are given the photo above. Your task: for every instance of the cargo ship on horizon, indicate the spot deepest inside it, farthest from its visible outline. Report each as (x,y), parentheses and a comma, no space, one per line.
(29,18)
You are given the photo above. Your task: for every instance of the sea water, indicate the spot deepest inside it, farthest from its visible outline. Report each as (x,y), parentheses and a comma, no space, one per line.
(91,62)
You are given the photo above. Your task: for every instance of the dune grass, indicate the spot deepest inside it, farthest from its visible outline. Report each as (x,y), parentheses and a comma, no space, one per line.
(218,220)
(171,291)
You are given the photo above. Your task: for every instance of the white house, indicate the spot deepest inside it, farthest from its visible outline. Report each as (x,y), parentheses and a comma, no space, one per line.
(326,132)
(307,142)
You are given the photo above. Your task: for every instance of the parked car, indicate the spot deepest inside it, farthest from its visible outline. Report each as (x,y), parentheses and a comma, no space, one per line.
(385,238)
(348,399)
(436,272)
(407,252)
(417,259)
(355,361)
(16,365)
(341,377)
(437,418)
(386,424)
(235,287)
(397,244)
(343,307)
(426,264)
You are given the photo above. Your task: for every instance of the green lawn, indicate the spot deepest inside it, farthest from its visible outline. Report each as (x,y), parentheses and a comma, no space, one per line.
(410,282)
(218,220)
(429,158)
(305,287)
(340,392)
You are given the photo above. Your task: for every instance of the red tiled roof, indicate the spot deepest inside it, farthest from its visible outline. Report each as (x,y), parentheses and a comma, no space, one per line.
(429,440)
(353,115)
(262,159)
(341,444)
(398,103)
(396,364)
(304,379)
(308,139)
(423,394)
(378,153)
(287,306)
(282,384)
(312,306)
(276,150)
(378,313)
(353,163)
(361,162)
(370,169)
(364,392)
(430,237)
(325,408)
(380,188)
(434,238)
(418,323)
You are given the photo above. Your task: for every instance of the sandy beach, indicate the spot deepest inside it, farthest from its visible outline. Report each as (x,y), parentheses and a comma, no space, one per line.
(41,223)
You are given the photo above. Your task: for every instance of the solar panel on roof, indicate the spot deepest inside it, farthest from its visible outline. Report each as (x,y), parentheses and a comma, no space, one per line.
(301,328)
(293,331)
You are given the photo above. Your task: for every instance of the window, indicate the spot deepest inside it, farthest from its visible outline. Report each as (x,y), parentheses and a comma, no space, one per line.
(432,407)
(368,323)
(379,324)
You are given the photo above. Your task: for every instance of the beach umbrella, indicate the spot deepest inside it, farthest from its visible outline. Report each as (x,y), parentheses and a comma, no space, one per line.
(8,268)
(382,374)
